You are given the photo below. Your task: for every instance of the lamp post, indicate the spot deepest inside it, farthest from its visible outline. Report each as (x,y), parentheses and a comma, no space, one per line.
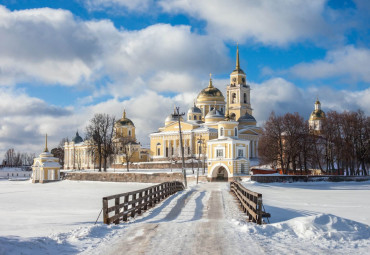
(181,144)
(199,146)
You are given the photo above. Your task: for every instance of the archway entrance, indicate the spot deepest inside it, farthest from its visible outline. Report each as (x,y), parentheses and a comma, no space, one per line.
(221,174)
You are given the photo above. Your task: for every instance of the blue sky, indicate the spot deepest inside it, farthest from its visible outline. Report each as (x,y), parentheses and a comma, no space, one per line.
(63,61)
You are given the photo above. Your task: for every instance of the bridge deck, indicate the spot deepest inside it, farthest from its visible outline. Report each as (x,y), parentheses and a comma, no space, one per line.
(199,220)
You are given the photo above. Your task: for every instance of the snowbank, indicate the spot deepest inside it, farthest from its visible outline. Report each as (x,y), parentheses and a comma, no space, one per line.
(312,235)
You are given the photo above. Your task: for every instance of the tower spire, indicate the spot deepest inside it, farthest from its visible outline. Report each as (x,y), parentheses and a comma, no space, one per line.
(46,143)
(124,114)
(237,57)
(210,81)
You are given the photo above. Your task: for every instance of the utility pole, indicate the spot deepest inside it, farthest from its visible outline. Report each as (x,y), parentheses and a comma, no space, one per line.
(182,147)
(199,143)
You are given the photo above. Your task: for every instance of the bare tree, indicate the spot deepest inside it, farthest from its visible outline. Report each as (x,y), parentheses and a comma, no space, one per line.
(100,133)
(126,147)
(9,157)
(58,152)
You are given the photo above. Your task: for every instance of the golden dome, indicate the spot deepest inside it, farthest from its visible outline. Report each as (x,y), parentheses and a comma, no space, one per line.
(124,121)
(317,115)
(210,94)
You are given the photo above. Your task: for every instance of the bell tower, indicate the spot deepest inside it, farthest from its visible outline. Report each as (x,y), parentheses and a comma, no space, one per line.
(238,92)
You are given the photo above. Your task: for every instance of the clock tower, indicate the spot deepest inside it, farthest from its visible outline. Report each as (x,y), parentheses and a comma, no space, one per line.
(238,92)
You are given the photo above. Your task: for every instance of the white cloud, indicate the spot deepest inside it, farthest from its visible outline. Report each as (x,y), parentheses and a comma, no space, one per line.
(282,96)
(46,45)
(52,47)
(271,22)
(18,103)
(173,82)
(131,5)
(348,62)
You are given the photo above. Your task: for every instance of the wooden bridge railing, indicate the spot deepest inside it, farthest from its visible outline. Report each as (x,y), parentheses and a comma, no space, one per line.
(251,202)
(135,202)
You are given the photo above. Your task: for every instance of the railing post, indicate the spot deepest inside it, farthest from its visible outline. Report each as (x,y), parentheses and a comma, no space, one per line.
(125,207)
(140,202)
(151,197)
(146,200)
(259,209)
(105,211)
(116,209)
(133,205)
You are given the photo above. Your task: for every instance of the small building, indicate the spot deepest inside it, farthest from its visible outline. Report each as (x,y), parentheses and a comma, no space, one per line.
(78,154)
(46,167)
(228,155)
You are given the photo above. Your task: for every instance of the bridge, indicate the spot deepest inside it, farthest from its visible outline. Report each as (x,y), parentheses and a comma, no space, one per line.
(199,220)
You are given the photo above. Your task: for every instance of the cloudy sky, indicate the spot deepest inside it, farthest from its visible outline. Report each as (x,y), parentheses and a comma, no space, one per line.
(63,61)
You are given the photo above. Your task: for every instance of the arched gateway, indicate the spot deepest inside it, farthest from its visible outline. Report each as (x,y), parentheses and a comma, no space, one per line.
(220,173)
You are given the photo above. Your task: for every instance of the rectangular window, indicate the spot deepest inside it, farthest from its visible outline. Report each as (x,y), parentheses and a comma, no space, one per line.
(240,153)
(219,153)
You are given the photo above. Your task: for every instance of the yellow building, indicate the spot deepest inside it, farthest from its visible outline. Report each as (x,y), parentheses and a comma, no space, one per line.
(316,119)
(78,153)
(127,148)
(203,120)
(227,156)
(46,167)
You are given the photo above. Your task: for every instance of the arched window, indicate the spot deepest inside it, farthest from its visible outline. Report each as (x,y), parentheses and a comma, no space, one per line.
(245,98)
(129,133)
(233,98)
(158,149)
(221,131)
(236,132)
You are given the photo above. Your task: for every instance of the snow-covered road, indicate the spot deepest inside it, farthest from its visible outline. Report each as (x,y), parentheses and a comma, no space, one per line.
(196,221)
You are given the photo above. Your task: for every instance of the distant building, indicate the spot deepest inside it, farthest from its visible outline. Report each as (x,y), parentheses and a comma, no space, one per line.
(78,154)
(46,167)
(316,119)
(125,142)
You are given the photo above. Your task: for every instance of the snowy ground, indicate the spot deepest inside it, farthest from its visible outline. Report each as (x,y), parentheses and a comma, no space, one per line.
(314,218)
(308,218)
(31,212)
(286,201)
